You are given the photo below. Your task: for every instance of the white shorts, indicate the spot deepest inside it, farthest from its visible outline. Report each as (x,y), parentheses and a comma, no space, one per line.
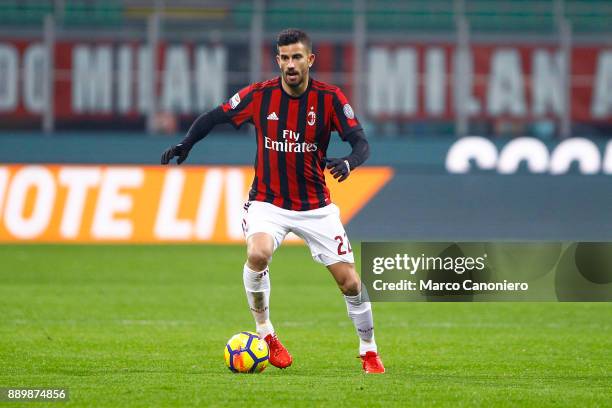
(321,229)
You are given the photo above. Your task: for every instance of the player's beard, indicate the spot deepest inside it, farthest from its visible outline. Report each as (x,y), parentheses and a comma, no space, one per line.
(295,81)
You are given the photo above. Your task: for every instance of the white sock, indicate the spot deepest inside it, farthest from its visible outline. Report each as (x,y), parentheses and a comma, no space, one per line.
(361,314)
(257,288)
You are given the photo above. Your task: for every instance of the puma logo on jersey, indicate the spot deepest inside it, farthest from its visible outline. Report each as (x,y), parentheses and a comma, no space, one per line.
(272,116)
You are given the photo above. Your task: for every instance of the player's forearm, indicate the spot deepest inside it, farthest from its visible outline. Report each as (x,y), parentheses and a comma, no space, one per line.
(203,125)
(360,149)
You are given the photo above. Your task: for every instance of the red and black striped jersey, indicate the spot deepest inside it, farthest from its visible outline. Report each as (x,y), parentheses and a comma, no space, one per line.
(292,138)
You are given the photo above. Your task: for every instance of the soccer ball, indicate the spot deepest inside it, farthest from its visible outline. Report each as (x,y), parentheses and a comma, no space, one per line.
(246,352)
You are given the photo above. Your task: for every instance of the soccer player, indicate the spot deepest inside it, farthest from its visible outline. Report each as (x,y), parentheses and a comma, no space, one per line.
(294,116)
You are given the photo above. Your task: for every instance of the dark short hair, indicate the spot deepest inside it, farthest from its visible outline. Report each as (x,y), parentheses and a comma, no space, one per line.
(292,36)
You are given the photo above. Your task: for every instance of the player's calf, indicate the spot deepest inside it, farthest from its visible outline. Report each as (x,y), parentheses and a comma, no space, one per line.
(257,288)
(350,286)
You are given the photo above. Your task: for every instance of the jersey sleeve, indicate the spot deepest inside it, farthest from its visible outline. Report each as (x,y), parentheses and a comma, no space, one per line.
(239,108)
(343,116)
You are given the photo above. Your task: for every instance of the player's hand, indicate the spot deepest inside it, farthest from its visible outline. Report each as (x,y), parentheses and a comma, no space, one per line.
(339,168)
(180,150)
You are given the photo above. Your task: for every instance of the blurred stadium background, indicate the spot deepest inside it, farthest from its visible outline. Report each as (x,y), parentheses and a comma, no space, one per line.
(488,119)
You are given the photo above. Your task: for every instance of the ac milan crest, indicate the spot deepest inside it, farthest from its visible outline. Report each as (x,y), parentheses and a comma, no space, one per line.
(311,118)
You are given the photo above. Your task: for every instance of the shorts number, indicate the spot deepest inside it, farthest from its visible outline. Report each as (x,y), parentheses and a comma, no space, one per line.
(340,240)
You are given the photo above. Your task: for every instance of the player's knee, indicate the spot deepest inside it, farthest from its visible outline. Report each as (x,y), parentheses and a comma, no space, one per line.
(259,258)
(350,286)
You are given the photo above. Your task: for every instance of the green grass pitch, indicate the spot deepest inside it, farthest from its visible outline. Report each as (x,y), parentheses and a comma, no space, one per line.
(146,326)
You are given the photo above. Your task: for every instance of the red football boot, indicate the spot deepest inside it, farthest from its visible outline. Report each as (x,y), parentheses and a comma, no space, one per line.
(371,363)
(279,356)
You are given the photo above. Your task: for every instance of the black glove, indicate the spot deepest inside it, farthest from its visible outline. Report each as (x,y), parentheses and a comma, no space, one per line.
(339,168)
(180,150)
